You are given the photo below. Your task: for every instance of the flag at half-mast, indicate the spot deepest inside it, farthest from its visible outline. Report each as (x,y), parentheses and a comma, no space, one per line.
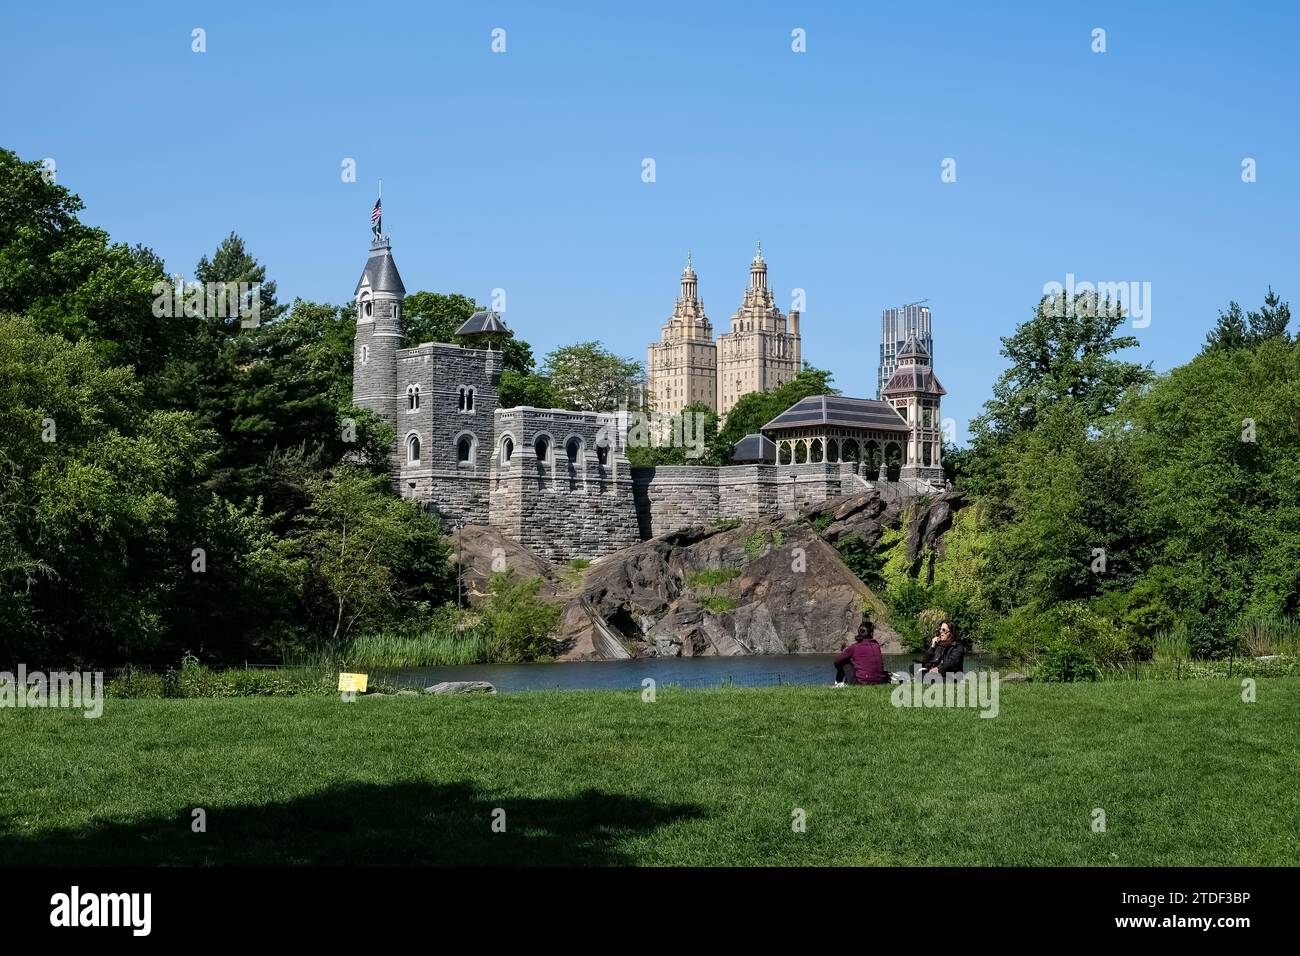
(377,218)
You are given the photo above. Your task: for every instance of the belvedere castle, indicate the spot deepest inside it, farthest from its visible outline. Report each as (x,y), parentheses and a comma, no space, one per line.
(559,482)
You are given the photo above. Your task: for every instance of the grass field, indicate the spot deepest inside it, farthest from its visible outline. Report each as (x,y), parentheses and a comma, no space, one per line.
(1186,773)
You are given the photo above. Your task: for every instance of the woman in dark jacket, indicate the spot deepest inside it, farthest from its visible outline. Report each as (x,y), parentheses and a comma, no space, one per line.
(945,655)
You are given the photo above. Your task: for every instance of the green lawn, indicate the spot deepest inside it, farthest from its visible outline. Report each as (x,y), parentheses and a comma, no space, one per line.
(1186,772)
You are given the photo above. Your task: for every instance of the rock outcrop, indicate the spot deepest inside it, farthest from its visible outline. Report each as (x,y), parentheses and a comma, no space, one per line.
(759,586)
(764,586)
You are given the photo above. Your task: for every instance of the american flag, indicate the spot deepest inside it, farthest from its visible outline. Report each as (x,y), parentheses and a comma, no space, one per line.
(377,216)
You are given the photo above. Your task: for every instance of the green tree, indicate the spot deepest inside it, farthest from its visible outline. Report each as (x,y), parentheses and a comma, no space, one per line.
(756,409)
(1063,352)
(588,377)
(362,555)
(93,490)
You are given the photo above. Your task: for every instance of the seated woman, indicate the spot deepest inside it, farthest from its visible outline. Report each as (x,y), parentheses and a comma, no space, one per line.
(946,654)
(861,662)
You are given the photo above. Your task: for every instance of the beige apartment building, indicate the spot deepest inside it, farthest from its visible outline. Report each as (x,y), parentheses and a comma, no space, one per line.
(682,367)
(761,351)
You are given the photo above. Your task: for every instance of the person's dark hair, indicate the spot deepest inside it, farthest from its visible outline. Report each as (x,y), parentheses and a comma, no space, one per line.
(952,629)
(865,630)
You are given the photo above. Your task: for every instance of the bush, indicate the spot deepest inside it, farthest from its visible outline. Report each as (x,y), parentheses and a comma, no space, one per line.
(712,578)
(132,683)
(1065,662)
(193,679)
(717,604)
(516,621)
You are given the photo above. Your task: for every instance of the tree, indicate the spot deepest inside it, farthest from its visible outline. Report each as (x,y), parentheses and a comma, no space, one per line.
(68,278)
(694,435)
(360,553)
(93,493)
(755,409)
(588,377)
(435,317)
(518,388)
(1230,332)
(1063,352)
(1233,331)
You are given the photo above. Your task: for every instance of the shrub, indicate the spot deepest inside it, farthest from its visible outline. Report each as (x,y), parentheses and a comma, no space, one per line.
(1065,662)
(754,545)
(132,683)
(711,578)
(516,621)
(867,563)
(717,604)
(1262,637)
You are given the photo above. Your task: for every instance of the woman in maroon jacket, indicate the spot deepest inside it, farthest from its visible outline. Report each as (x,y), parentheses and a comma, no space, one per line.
(866,664)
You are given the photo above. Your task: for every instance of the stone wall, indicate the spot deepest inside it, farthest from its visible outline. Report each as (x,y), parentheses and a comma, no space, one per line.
(671,496)
(566,498)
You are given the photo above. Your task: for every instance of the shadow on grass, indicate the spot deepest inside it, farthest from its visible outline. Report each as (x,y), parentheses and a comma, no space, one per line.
(368,824)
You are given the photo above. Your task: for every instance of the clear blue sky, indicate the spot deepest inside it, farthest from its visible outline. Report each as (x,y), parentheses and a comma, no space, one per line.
(523,170)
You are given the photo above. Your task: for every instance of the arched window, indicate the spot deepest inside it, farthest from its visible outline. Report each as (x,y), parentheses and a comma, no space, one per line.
(469,399)
(507,448)
(412,398)
(367,307)
(413,449)
(573,448)
(602,451)
(542,449)
(465,449)
(365,354)
(460,399)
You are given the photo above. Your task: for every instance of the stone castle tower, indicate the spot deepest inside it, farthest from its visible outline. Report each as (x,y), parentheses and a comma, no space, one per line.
(439,398)
(683,366)
(761,351)
(379,296)
(914,391)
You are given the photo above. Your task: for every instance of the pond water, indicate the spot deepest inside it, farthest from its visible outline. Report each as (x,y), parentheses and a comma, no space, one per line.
(753,671)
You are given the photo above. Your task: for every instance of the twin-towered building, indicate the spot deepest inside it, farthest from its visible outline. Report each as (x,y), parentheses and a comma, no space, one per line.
(760,352)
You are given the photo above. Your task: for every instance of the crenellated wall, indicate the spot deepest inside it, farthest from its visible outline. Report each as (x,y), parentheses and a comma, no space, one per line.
(672,497)
(574,499)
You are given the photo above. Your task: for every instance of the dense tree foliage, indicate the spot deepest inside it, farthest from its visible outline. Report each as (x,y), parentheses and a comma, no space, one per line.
(1113,506)
(174,477)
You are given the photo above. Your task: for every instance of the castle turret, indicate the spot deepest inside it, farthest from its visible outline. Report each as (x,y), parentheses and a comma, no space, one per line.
(379,296)
(915,392)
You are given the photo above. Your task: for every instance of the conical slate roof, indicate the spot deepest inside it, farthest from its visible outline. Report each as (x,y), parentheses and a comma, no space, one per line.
(914,378)
(913,349)
(484,322)
(754,448)
(381,271)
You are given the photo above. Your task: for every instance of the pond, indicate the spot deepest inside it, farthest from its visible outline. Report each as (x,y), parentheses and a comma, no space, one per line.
(750,671)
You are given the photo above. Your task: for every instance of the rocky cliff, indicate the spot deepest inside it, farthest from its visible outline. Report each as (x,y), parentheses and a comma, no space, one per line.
(761,586)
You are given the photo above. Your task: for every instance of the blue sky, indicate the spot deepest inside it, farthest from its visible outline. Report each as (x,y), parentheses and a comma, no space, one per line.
(522,170)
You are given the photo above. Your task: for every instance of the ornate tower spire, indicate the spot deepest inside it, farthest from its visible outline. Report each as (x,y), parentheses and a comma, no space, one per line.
(688,282)
(758,271)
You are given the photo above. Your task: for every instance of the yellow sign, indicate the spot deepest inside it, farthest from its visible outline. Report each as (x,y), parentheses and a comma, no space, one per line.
(354,683)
